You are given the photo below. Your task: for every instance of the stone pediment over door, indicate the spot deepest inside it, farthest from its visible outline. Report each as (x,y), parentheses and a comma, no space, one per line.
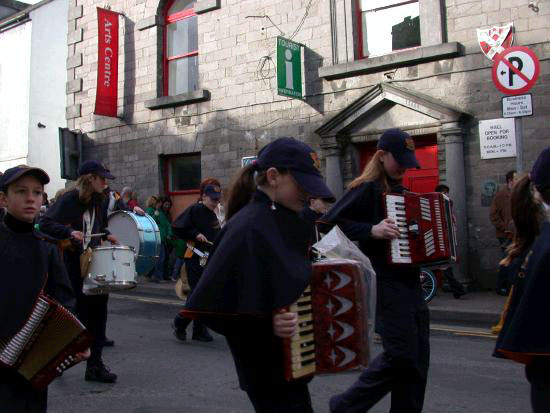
(388,106)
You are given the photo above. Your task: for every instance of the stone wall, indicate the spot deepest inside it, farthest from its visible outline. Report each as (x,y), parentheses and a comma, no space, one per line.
(236,65)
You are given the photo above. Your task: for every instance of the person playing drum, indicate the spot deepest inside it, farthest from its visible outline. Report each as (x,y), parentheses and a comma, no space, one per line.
(78,215)
(199,226)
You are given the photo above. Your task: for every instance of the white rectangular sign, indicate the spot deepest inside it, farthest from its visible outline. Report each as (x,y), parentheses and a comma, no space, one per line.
(517,106)
(497,138)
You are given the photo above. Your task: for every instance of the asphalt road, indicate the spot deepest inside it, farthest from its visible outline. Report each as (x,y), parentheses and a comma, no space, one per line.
(159,374)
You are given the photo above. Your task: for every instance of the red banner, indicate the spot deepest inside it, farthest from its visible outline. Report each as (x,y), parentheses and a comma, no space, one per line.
(107,63)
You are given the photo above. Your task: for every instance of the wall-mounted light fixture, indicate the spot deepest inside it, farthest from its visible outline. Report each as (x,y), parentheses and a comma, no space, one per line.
(41,125)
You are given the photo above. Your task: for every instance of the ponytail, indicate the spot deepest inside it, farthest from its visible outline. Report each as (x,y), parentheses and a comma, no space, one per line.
(241,190)
(527,217)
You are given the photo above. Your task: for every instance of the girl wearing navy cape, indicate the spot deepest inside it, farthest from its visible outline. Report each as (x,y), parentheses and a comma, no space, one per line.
(402,317)
(525,336)
(258,266)
(30,265)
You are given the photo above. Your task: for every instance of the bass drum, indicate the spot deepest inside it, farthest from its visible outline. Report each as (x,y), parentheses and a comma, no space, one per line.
(141,233)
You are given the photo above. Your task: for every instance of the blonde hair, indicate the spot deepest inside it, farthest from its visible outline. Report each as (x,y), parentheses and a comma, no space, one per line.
(373,171)
(85,188)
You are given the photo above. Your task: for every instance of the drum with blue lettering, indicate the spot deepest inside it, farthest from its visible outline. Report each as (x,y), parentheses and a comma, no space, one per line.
(139,232)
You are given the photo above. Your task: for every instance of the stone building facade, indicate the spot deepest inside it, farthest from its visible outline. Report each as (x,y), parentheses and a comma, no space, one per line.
(438,91)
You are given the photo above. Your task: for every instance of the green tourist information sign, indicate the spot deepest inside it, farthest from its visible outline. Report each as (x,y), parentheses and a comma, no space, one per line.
(289,68)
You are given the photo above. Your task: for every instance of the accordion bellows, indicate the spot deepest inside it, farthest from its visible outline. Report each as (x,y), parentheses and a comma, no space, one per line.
(46,345)
(332,331)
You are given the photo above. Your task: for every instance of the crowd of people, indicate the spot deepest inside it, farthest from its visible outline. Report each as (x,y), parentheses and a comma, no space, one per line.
(250,259)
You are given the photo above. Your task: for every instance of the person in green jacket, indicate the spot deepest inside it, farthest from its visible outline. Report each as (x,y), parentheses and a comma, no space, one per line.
(165,227)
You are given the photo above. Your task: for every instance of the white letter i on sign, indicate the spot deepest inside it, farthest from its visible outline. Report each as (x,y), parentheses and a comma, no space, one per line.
(288,70)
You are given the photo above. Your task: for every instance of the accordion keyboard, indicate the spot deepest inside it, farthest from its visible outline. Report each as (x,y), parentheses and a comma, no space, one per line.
(400,247)
(302,347)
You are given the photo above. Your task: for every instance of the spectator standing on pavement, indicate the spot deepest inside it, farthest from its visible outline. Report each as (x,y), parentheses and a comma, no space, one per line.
(132,203)
(454,285)
(525,337)
(165,228)
(501,218)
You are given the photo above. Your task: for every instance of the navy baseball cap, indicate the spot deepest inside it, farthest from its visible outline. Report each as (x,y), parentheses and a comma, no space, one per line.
(401,146)
(96,168)
(300,160)
(212,192)
(13,174)
(540,174)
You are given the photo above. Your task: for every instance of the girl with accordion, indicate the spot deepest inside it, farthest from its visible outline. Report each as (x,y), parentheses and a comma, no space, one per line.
(402,317)
(258,266)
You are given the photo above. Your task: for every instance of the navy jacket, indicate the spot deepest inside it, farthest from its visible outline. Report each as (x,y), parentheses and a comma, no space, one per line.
(524,334)
(197,219)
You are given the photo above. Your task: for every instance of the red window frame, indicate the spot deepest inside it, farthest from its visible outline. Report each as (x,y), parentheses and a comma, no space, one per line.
(172,18)
(359,15)
(167,170)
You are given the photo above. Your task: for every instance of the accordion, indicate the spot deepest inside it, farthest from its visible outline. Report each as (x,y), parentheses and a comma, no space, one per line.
(332,333)
(426,223)
(46,345)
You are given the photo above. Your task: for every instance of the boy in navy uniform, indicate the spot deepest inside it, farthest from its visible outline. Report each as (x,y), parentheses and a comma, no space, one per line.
(29,265)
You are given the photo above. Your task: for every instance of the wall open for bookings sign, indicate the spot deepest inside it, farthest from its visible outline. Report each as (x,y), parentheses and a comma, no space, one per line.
(289,68)
(497,138)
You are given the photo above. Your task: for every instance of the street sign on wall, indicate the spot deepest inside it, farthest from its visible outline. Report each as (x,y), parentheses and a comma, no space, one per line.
(517,106)
(497,138)
(515,70)
(289,68)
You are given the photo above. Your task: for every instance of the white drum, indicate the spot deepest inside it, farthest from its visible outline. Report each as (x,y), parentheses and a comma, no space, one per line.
(112,268)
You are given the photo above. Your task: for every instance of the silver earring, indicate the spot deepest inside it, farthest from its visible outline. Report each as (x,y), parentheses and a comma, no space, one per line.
(273,207)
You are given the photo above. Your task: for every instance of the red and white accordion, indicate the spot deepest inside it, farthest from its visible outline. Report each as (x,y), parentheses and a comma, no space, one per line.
(46,345)
(426,223)
(332,331)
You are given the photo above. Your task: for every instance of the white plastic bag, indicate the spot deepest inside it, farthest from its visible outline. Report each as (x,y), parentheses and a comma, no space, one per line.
(335,244)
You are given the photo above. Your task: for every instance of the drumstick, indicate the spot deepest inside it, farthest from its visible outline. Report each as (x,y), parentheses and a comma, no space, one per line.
(100,234)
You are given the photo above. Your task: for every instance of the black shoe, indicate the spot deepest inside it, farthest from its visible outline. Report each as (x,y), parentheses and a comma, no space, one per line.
(99,373)
(180,335)
(457,294)
(203,336)
(108,342)
(502,291)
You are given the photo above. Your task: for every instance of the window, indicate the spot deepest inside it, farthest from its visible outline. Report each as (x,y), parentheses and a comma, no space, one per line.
(387,25)
(183,173)
(181,50)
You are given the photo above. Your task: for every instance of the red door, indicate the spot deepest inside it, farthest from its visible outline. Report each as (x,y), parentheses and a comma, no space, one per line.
(420,180)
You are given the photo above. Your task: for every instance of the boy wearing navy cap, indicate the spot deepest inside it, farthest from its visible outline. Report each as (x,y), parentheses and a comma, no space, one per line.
(258,266)
(522,339)
(77,213)
(30,265)
(402,317)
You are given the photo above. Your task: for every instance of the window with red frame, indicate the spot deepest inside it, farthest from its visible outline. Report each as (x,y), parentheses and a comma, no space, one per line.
(182,173)
(181,48)
(387,25)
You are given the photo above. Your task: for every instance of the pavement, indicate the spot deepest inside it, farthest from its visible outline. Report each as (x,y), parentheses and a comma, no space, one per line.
(476,309)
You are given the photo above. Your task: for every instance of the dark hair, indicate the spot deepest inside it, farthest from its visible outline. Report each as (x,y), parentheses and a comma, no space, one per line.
(242,187)
(527,216)
(545,194)
(510,176)
(442,188)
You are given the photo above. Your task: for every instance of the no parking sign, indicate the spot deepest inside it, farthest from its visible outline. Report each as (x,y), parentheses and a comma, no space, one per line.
(515,70)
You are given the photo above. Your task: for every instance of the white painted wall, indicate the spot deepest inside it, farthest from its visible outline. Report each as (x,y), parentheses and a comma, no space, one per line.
(15,60)
(48,79)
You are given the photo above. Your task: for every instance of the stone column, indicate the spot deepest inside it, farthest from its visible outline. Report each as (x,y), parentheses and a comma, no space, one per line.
(454,161)
(332,153)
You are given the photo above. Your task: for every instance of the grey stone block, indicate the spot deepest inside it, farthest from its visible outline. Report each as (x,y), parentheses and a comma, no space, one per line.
(148,22)
(203,6)
(75,36)
(75,12)
(74,61)
(73,111)
(398,59)
(73,86)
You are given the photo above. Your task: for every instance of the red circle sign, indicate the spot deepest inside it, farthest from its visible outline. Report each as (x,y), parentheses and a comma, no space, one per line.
(515,70)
